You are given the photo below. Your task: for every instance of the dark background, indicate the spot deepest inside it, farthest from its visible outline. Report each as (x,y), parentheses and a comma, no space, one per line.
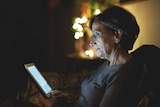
(37,31)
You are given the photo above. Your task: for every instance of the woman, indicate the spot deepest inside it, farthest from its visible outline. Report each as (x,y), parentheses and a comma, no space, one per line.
(115,83)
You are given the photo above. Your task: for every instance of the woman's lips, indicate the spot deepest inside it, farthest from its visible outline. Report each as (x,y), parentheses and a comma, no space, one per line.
(97,49)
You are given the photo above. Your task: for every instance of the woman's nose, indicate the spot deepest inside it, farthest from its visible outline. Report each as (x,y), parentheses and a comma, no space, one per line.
(92,42)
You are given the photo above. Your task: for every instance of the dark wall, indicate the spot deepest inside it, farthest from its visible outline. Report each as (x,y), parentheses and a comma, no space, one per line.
(30,32)
(61,39)
(23,30)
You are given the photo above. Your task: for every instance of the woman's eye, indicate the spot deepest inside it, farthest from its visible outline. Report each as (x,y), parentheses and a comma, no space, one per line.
(96,35)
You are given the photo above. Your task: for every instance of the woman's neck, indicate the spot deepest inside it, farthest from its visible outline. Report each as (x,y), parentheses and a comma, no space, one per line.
(119,57)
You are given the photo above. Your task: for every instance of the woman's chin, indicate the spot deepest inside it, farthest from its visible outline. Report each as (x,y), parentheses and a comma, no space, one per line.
(100,55)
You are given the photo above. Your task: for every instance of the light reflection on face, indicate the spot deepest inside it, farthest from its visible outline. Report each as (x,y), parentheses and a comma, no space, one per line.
(102,40)
(96,34)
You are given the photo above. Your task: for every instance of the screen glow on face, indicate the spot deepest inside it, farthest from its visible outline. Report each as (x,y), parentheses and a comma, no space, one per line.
(42,82)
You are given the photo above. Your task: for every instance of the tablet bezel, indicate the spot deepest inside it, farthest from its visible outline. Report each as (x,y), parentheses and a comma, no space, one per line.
(27,66)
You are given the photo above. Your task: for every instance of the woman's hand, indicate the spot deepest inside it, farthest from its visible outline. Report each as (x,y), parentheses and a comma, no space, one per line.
(55,95)
(47,102)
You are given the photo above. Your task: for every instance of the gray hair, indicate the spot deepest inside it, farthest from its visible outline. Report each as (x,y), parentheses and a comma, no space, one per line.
(116,18)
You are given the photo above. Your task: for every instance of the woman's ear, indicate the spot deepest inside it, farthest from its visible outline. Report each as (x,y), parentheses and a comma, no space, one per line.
(118,36)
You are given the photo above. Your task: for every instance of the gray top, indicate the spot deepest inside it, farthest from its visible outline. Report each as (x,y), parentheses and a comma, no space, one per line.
(111,86)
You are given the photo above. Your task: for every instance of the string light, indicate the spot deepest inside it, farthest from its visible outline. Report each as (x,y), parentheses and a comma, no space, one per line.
(77,35)
(89,53)
(79,24)
(97,11)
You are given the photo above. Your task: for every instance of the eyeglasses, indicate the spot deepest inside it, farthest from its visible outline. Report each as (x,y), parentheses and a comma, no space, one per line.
(97,34)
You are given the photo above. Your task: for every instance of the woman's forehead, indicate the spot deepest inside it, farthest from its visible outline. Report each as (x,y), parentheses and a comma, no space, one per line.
(98,26)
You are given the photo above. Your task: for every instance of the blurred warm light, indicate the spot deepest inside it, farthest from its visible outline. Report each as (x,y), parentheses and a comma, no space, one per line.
(77,26)
(89,53)
(98,11)
(78,20)
(80,28)
(78,35)
(81,34)
(81,20)
(84,19)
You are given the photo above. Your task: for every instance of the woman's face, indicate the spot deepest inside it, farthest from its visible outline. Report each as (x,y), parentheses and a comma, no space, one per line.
(102,40)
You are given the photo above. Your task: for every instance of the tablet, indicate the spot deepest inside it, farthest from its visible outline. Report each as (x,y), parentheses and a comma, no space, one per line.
(40,81)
